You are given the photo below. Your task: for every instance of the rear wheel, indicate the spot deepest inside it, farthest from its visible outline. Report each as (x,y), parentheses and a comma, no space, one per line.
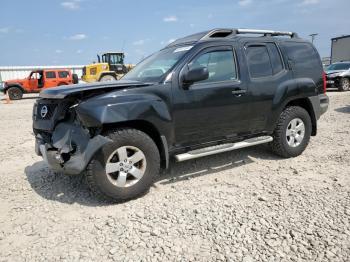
(107,78)
(344,84)
(292,133)
(15,93)
(125,168)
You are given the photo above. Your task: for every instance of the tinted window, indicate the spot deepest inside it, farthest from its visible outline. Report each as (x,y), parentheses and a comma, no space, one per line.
(220,64)
(50,74)
(275,58)
(63,74)
(258,61)
(306,61)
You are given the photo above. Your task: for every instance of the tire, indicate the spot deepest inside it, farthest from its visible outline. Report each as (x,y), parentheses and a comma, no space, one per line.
(344,84)
(288,140)
(107,78)
(111,186)
(75,78)
(15,93)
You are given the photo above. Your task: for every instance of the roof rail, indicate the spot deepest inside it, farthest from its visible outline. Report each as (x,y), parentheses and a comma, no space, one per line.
(222,32)
(266,32)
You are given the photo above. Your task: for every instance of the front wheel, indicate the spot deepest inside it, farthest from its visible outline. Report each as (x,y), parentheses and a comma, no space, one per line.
(292,133)
(15,93)
(125,168)
(344,84)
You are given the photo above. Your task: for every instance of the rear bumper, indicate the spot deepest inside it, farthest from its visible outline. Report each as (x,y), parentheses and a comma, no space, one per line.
(320,104)
(324,103)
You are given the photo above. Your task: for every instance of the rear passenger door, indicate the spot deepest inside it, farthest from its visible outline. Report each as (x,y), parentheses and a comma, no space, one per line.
(64,77)
(267,73)
(50,79)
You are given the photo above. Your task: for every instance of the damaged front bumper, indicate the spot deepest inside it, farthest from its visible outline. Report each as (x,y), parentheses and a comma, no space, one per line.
(70,149)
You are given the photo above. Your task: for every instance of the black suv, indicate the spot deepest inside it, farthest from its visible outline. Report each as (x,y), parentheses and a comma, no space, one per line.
(203,94)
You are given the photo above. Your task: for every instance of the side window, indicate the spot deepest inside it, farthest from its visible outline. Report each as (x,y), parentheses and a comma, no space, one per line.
(50,74)
(63,74)
(221,65)
(276,60)
(306,61)
(258,61)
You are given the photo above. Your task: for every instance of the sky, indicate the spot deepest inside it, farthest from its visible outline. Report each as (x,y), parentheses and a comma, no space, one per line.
(72,32)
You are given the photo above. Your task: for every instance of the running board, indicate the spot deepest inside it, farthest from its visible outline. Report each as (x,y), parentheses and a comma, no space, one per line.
(207,151)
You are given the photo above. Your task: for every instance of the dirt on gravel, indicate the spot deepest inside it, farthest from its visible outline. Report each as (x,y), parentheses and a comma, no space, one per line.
(246,205)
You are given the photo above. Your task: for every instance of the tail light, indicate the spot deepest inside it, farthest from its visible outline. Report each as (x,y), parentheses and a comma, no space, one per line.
(324,82)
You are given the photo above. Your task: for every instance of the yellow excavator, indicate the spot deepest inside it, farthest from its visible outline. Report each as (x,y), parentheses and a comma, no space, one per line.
(110,67)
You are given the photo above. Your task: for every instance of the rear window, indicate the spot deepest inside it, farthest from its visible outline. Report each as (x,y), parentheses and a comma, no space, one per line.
(50,74)
(63,74)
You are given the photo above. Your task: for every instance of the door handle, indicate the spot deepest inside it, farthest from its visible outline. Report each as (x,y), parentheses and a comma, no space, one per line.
(238,92)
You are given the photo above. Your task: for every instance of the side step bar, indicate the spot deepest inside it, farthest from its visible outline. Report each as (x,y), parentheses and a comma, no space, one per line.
(207,151)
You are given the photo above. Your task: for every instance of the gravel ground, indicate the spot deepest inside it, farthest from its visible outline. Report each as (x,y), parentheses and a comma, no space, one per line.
(245,205)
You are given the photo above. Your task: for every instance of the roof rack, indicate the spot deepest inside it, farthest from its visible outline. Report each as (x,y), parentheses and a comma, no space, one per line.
(232,32)
(266,32)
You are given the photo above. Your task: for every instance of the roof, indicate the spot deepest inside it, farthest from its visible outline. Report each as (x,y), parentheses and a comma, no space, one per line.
(340,37)
(229,33)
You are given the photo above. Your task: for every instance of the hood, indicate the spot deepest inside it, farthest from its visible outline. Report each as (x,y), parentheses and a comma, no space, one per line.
(61,92)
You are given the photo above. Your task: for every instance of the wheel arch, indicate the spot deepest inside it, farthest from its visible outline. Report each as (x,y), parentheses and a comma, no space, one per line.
(111,73)
(8,86)
(149,129)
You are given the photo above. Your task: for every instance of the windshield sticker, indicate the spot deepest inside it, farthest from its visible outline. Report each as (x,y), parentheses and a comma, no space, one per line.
(184,48)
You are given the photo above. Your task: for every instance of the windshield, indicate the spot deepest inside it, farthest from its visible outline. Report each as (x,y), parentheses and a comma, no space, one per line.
(156,66)
(339,66)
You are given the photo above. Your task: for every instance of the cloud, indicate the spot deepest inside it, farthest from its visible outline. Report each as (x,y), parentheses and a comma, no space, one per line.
(171,18)
(245,2)
(310,2)
(71,5)
(79,51)
(78,37)
(58,51)
(140,42)
(4,30)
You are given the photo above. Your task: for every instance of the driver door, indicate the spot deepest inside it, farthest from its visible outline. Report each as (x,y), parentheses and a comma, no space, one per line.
(211,109)
(33,81)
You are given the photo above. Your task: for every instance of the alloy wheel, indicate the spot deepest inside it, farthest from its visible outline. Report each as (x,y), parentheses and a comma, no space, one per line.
(295,132)
(126,166)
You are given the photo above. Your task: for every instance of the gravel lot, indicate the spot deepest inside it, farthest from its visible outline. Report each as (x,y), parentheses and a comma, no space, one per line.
(246,205)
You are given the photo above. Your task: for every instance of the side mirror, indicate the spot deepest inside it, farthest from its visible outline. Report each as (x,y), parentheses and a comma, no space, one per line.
(196,74)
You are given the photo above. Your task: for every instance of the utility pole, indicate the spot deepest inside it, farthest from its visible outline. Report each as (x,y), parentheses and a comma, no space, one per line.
(313,36)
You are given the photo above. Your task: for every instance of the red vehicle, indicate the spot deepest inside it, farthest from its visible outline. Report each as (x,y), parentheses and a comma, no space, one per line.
(38,80)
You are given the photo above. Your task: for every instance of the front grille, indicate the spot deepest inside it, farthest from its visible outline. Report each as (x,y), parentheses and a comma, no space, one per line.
(45,111)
